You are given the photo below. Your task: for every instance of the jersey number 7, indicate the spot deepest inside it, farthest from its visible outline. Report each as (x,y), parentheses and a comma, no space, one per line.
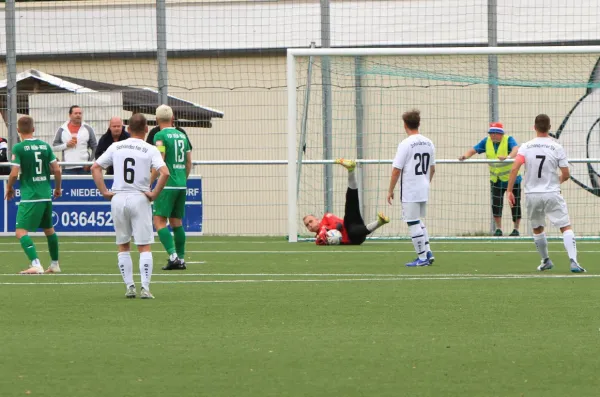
(541,164)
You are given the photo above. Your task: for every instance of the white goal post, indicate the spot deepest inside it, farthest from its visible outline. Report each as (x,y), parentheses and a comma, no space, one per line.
(545,54)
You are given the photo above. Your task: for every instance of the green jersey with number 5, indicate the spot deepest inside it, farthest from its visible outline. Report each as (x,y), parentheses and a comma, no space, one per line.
(174,144)
(33,157)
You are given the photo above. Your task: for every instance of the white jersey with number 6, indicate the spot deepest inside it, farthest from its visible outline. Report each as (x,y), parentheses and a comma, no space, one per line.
(415,156)
(132,160)
(542,157)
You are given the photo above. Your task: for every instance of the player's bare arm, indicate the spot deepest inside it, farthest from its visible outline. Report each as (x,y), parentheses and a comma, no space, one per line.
(514,172)
(99,181)
(188,164)
(565,174)
(153,175)
(396,172)
(55,168)
(431,172)
(12,178)
(162,181)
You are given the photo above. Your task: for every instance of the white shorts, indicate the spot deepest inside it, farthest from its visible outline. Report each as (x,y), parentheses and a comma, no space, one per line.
(132,216)
(412,212)
(551,205)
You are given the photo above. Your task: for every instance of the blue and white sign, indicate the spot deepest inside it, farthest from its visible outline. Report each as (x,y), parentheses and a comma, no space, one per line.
(83,211)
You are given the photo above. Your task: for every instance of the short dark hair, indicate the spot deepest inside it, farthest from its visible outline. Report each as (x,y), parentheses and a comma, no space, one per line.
(137,123)
(542,123)
(25,125)
(412,119)
(73,107)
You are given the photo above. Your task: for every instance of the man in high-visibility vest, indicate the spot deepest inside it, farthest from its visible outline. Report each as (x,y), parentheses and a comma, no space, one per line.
(499,146)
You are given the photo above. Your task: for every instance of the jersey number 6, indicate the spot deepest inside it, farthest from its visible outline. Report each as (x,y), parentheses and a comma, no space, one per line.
(128,173)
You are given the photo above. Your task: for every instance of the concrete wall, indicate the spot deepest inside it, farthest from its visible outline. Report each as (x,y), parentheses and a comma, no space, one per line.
(114,26)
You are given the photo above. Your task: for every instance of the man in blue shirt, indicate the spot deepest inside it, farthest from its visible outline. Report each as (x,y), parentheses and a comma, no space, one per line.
(499,146)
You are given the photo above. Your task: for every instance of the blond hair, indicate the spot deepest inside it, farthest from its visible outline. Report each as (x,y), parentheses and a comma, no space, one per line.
(164,113)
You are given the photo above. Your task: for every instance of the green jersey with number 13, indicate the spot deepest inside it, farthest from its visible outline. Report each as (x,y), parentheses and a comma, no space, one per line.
(174,144)
(33,157)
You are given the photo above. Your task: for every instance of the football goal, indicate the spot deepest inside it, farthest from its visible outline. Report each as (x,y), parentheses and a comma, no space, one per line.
(349,103)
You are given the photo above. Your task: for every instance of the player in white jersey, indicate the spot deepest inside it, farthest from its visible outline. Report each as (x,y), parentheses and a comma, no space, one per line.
(414,165)
(132,161)
(542,157)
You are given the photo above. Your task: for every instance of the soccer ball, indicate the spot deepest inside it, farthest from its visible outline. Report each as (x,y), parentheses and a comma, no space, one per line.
(334,237)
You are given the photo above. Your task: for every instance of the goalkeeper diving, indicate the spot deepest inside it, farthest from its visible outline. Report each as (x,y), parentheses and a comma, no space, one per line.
(353,229)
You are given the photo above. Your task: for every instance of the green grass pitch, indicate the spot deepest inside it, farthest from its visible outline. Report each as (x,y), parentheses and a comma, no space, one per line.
(262,317)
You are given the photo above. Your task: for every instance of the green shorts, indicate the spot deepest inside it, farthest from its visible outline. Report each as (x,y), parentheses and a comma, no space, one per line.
(33,216)
(170,203)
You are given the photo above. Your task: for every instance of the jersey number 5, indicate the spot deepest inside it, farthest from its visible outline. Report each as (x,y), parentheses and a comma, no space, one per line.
(38,163)
(422,166)
(128,172)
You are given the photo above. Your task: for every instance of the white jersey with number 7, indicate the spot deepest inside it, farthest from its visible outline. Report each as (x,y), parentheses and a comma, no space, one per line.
(542,158)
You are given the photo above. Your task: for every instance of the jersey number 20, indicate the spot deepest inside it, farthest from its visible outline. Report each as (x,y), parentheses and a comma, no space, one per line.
(422,166)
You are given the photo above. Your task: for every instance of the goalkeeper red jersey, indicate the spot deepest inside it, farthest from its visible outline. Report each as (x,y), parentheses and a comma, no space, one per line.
(330,222)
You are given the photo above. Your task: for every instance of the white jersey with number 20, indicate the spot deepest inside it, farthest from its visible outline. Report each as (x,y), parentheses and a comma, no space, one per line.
(543,157)
(415,156)
(132,160)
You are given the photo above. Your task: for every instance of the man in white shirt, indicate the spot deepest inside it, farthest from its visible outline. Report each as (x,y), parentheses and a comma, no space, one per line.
(132,161)
(543,156)
(77,142)
(414,165)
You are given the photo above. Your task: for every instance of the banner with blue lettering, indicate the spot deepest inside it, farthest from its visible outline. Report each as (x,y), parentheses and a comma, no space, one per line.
(83,211)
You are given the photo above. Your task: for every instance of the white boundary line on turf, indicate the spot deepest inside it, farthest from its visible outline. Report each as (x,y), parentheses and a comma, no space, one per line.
(328,251)
(388,275)
(250,281)
(191,242)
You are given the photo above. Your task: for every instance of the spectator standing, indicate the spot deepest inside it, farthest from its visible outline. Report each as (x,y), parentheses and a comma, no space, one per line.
(77,142)
(116,132)
(4,156)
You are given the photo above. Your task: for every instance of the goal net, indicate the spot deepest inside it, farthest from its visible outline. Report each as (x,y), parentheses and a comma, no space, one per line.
(349,103)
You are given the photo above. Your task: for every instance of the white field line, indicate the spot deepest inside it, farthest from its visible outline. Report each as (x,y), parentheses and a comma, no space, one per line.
(380,275)
(324,251)
(193,242)
(249,281)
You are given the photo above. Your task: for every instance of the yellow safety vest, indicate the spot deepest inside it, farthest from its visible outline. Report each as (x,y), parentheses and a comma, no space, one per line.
(498,170)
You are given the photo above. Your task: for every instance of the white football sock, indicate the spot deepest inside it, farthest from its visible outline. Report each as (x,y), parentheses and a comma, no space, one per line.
(352,184)
(426,236)
(173,256)
(371,227)
(36,263)
(126,267)
(146,265)
(418,239)
(570,245)
(541,243)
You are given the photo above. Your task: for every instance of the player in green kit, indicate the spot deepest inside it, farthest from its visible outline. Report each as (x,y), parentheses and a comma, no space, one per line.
(170,204)
(34,159)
